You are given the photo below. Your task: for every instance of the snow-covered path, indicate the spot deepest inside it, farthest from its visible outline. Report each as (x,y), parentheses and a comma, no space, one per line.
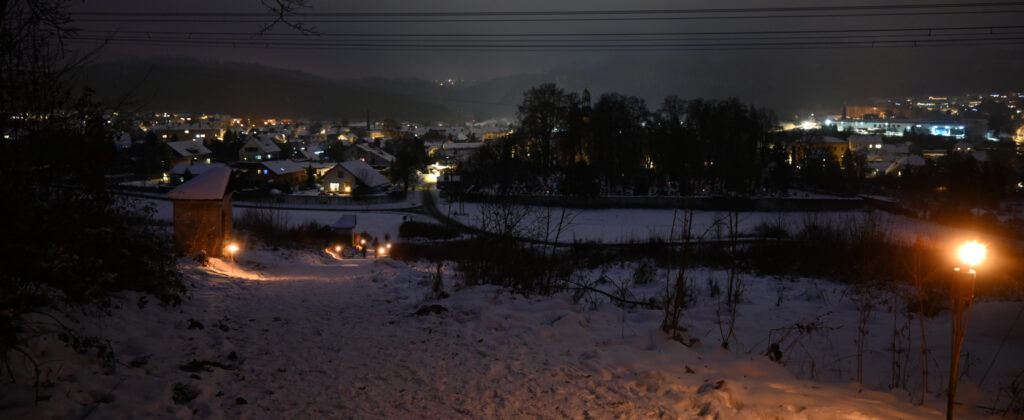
(307,336)
(346,344)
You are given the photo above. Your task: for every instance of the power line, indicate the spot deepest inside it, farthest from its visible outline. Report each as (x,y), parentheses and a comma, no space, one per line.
(572,12)
(557,19)
(919,42)
(143,36)
(871,32)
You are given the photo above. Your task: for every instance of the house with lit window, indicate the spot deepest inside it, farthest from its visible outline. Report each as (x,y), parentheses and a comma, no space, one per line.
(188,151)
(354,177)
(373,156)
(259,148)
(185,171)
(200,131)
(272,173)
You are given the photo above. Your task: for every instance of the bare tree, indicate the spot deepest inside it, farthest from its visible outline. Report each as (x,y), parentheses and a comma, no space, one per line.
(284,13)
(551,229)
(677,295)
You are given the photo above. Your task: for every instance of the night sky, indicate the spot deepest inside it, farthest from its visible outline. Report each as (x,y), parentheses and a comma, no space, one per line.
(801,57)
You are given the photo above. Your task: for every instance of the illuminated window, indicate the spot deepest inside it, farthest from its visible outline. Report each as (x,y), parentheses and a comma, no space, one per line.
(348,188)
(334,187)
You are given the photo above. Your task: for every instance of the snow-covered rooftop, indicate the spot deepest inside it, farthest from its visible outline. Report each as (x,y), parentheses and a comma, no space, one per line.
(281,167)
(211,185)
(365,173)
(370,149)
(194,168)
(265,143)
(188,148)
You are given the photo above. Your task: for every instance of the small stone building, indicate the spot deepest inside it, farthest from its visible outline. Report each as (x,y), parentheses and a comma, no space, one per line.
(345,228)
(202,213)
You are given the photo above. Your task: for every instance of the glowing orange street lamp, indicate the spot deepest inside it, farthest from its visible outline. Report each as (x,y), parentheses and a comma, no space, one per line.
(232,249)
(380,252)
(337,248)
(971,254)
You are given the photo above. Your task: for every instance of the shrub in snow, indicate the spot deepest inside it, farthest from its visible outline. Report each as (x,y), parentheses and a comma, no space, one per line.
(644,272)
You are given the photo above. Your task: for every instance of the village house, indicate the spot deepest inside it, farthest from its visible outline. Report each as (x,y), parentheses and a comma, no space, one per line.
(332,134)
(183,172)
(373,156)
(198,131)
(259,147)
(354,177)
(272,173)
(188,151)
(862,142)
(460,152)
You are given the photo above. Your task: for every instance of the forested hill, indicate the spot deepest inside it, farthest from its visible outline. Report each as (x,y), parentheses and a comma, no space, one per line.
(186,85)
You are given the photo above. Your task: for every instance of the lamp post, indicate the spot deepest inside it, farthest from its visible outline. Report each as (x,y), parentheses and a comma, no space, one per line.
(961,297)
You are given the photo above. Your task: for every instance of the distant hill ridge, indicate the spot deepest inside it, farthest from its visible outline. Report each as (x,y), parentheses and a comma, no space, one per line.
(188,85)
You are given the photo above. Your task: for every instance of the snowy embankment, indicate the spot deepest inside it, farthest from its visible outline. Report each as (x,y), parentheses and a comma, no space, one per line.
(303,335)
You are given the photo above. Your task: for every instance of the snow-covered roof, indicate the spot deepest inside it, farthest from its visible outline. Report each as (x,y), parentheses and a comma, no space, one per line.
(211,185)
(308,154)
(830,139)
(188,148)
(346,221)
(365,173)
(194,168)
(281,167)
(369,149)
(265,144)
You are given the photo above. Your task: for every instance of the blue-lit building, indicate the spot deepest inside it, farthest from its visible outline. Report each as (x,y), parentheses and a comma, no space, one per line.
(894,127)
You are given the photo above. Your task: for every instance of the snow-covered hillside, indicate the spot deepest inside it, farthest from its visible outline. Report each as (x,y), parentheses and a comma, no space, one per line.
(303,335)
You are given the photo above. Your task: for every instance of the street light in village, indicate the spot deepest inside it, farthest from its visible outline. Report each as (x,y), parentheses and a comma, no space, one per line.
(971,254)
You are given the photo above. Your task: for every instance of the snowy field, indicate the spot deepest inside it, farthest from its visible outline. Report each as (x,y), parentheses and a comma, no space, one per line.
(302,335)
(640,225)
